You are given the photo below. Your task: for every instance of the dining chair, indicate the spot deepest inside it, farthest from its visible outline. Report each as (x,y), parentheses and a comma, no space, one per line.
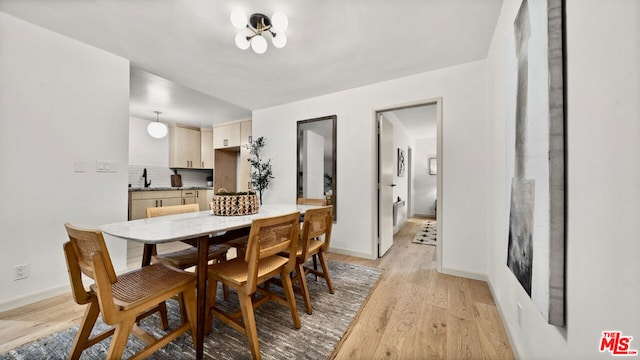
(316,202)
(311,201)
(122,299)
(314,240)
(183,259)
(268,237)
(188,257)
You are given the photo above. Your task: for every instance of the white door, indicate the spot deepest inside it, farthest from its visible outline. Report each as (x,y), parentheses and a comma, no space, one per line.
(385,185)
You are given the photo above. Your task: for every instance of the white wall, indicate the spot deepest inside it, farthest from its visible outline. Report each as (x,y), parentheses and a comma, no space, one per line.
(463,90)
(425,190)
(60,101)
(603,153)
(401,140)
(144,149)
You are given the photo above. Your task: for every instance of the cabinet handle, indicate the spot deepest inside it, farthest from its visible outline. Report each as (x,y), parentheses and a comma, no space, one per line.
(183,201)
(202,164)
(161,203)
(225,142)
(250,139)
(156,203)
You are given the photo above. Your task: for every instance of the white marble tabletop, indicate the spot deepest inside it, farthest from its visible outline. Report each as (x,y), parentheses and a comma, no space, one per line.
(177,227)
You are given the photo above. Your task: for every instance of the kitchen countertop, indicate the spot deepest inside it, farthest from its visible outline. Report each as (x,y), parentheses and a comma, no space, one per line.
(165,188)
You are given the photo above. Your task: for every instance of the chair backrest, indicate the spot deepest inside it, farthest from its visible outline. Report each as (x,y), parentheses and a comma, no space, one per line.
(85,243)
(171,210)
(309,201)
(271,236)
(317,222)
(79,252)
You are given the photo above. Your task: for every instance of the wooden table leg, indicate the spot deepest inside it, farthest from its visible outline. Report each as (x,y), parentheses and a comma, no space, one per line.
(147,251)
(201,272)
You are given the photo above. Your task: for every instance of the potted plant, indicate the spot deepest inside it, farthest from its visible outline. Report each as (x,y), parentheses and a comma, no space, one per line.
(261,173)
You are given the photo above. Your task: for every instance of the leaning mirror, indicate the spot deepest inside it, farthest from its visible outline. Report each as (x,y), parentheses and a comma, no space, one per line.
(317,160)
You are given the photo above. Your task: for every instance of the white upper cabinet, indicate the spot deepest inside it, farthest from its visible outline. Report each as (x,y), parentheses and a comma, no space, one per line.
(226,136)
(206,148)
(184,148)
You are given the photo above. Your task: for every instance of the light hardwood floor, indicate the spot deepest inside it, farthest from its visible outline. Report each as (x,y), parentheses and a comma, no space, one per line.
(413,313)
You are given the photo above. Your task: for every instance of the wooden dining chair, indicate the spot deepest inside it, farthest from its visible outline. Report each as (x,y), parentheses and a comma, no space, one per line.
(188,257)
(183,259)
(316,202)
(314,241)
(122,299)
(268,237)
(310,201)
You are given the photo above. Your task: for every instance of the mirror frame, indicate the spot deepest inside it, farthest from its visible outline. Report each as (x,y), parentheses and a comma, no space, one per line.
(334,181)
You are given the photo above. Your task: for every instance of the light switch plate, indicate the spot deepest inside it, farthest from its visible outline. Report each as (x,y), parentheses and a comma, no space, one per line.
(79,166)
(106,166)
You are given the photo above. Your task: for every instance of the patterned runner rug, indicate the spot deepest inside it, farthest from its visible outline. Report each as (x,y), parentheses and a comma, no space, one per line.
(316,339)
(427,233)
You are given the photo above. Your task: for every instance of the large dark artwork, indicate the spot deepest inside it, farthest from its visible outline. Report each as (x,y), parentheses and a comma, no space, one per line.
(536,130)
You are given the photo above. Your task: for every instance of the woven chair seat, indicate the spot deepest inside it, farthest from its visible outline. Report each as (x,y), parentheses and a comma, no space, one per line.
(186,258)
(146,282)
(235,270)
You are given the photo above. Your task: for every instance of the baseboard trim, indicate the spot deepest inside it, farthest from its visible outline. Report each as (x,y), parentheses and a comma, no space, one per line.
(32,298)
(510,335)
(399,226)
(433,214)
(465,274)
(352,253)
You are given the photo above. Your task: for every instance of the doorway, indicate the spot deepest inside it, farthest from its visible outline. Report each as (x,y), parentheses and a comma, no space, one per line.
(403,137)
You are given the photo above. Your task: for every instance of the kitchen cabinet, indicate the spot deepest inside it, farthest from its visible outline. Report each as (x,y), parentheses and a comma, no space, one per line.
(244,168)
(184,148)
(139,201)
(226,136)
(203,198)
(188,197)
(206,148)
(231,156)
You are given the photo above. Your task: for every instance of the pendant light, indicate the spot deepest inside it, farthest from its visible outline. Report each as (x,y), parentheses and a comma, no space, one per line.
(254,28)
(157,129)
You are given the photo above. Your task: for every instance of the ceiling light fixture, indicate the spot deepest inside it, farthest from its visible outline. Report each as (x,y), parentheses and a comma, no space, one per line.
(252,30)
(157,129)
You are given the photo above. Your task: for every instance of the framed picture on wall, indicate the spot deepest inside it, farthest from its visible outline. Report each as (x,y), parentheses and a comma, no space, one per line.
(401,162)
(433,165)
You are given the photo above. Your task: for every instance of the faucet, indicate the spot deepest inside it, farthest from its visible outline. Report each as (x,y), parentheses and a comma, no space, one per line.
(144,175)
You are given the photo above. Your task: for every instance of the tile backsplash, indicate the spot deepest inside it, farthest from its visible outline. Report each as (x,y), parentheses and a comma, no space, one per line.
(161,176)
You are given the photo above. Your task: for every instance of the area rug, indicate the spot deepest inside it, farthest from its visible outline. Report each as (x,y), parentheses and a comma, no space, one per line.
(316,339)
(427,233)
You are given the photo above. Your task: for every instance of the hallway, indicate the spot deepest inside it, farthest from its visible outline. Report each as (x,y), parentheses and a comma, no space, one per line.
(417,313)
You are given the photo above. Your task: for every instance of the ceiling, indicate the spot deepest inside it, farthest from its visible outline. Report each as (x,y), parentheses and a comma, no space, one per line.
(420,121)
(185,62)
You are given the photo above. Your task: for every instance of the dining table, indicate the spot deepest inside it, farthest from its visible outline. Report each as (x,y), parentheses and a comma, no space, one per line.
(199,229)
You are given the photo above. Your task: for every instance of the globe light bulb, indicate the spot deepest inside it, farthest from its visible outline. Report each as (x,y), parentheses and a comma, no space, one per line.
(279,22)
(238,19)
(279,40)
(259,44)
(157,130)
(241,41)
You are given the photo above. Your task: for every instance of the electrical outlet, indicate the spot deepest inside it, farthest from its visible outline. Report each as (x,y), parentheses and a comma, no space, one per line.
(519,314)
(21,272)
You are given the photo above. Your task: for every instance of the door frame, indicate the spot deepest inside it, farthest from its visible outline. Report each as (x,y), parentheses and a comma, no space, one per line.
(437,101)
